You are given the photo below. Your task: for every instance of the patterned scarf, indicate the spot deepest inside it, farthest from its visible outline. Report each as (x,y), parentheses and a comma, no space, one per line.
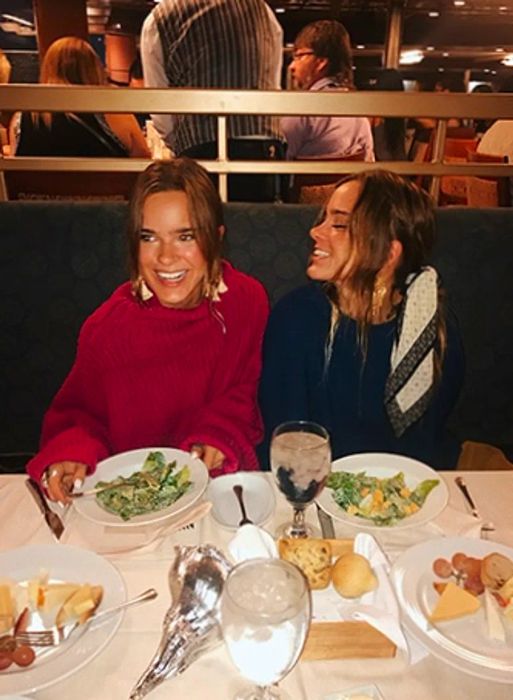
(409,385)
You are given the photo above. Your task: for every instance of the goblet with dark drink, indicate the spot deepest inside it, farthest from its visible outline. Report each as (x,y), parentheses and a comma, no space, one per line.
(301,463)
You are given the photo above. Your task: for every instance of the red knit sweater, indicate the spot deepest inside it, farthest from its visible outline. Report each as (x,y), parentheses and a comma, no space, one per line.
(146,375)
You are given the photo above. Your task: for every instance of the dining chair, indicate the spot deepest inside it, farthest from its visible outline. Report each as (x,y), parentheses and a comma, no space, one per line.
(316,188)
(503,183)
(480,456)
(481,192)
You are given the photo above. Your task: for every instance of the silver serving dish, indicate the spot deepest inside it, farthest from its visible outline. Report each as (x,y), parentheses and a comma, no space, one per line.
(191,625)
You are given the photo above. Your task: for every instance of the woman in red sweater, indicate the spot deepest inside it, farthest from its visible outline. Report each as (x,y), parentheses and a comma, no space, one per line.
(173,357)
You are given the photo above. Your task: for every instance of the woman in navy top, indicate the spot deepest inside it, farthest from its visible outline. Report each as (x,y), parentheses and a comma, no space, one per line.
(368,348)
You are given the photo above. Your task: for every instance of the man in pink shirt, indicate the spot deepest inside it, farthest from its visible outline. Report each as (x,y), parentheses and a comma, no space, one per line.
(322,62)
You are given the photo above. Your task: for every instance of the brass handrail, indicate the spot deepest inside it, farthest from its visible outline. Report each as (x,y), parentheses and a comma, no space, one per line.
(222,103)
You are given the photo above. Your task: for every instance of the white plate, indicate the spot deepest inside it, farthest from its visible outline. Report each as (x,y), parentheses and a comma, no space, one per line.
(463,643)
(63,563)
(127,463)
(258,498)
(383,465)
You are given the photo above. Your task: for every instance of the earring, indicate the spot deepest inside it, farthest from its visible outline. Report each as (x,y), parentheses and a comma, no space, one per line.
(378,296)
(141,290)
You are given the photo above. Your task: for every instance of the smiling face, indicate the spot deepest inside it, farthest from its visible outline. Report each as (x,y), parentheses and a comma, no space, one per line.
(330,259)
(170,259)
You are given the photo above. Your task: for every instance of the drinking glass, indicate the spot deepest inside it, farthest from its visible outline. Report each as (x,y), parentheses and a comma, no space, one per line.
(301,463)
(265,615)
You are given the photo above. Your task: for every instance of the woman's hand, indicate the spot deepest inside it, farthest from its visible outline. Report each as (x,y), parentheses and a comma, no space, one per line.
(63,477)
(211,456)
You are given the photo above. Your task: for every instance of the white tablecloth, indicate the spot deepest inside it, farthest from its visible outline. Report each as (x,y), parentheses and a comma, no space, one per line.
(115,670)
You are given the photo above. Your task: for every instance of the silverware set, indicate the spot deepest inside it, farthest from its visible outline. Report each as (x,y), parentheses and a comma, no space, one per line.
(53,521)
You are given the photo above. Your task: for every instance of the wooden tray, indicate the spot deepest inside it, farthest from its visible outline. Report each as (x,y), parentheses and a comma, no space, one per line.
(345,640)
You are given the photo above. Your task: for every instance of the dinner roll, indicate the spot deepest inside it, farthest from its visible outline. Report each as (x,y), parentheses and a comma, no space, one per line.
(352,576)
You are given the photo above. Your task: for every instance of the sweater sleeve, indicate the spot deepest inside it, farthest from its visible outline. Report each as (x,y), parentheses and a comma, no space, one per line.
(74,427)
(231,420)
(283,391)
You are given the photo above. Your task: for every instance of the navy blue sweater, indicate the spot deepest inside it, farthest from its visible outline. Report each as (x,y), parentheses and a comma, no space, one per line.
(347,396)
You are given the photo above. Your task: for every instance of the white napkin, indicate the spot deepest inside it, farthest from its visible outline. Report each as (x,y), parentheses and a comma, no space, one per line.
(455,523)
(378,608)
(252,542)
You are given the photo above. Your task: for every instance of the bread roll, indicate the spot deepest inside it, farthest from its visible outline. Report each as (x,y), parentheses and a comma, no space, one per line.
(352,576)
(496,569)
(312,556)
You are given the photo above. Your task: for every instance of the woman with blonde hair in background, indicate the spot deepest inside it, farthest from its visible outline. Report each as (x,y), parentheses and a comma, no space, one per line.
(72,61)
(367,348)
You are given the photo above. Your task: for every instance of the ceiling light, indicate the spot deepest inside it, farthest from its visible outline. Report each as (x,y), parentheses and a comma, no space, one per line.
(499,50)
(433,13)
(445,54)
(360,46)
(502,8)
(459,3)
(279,10)
(430,48)
(441,70)
(409,58)
(508,60)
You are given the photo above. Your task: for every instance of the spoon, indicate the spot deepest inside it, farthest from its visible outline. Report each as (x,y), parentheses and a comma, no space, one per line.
(237,489)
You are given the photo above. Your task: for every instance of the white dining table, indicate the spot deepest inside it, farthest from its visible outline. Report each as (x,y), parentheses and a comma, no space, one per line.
(114,671)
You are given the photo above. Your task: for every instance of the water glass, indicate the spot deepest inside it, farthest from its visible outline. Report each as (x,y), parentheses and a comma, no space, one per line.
(265,616)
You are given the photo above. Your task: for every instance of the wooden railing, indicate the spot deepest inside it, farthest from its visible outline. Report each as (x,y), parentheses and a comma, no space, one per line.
(223,103)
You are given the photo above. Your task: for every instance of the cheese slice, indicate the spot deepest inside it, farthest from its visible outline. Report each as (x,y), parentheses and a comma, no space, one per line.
(55,594)
(495,628)
(454,602)
(81,604)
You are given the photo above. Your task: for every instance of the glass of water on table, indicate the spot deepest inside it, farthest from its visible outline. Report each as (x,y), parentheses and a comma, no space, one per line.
(301,463)
(265,616)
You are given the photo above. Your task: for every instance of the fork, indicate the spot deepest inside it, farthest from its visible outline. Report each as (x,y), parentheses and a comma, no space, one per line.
(55,635)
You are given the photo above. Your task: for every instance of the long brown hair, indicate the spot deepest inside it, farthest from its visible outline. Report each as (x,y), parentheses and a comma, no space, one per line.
(388,208)
(205,211)
(70,61)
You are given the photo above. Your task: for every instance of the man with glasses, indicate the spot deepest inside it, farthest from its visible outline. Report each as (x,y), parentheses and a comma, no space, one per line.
(322,61)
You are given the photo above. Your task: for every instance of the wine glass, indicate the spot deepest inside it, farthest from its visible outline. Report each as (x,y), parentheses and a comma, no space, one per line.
(265,616)
(301,463)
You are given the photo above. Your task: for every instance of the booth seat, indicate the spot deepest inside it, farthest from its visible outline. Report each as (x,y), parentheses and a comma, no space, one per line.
(60,260)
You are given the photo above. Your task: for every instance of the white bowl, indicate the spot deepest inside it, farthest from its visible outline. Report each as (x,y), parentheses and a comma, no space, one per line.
(258,498)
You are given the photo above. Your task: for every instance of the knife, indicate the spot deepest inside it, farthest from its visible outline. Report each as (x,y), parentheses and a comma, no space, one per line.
(52,519)
(326,523)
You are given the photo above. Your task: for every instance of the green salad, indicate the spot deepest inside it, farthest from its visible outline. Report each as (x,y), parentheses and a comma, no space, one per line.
(156,486)
(384,501)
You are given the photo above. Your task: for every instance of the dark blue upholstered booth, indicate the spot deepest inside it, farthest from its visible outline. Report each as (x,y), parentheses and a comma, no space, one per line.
(60,260)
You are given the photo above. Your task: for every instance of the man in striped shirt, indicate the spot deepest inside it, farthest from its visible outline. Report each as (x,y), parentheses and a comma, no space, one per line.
(214,44)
